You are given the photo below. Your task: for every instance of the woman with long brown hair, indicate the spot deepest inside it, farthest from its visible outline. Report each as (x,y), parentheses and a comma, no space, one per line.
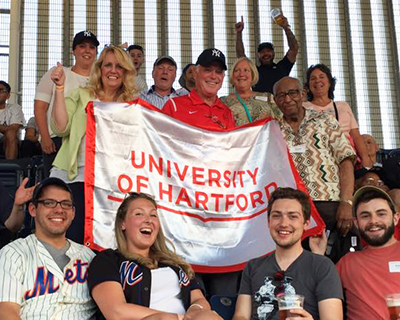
(143,278)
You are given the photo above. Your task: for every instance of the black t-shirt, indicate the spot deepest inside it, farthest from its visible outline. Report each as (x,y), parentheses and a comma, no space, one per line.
(271,74)
(6,204)
(311,275)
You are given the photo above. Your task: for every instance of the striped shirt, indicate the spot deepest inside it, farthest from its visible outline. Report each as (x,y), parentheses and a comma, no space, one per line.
(157,100)
(30,277)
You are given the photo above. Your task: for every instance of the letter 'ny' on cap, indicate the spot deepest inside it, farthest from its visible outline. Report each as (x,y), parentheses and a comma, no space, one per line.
(85,36)
(211,55)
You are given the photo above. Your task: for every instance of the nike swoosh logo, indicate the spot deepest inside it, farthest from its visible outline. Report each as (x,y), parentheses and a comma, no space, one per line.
(191,112)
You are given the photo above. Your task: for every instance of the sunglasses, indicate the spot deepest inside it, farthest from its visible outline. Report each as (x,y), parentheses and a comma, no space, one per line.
(283,280)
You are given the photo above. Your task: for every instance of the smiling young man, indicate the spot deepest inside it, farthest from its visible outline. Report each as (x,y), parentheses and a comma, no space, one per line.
(368,275)
(202,107)
(44,275)
(290,269)
(84,48)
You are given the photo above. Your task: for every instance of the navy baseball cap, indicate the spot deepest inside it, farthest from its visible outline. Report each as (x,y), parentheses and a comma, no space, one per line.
(84,36)
(135,46)
(265,45)
(50,182)
(211,55)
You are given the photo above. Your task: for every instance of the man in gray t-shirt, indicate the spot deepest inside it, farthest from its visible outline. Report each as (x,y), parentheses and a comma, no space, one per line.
(290,269)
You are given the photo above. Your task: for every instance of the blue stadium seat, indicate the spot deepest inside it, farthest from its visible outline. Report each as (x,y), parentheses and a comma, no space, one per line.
(224,306)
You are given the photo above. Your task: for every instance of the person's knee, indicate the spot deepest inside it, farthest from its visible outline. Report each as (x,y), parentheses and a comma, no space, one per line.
(11,136)
(206,315)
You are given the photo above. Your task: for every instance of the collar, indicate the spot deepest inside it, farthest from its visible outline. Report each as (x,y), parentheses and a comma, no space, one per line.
(196,100)
(152,91)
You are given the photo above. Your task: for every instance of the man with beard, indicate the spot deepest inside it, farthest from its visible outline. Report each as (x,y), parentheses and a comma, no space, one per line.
(269,71)
(368,275)
(43,276)
(290,269)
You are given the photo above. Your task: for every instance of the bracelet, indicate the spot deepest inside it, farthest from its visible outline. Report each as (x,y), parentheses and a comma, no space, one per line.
(197,305)
(348,201)
(59,88)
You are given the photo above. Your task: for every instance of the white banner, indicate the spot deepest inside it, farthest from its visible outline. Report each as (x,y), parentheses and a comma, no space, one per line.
(212,187)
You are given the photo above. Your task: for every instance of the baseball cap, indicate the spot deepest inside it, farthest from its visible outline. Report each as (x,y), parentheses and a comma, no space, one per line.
(83,36)
(135,46)
(182,80)
(161,59)
(50,182)
(265,45)
(359,173)
(364,190)
(211,55)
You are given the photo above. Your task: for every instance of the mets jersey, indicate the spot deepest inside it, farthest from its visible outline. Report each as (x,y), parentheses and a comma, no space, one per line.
(30,277)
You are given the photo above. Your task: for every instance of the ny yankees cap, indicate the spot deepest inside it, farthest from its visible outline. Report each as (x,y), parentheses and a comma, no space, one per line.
(265,45)
(360,192)
(161,59)
(211,55)
(84,36)
(50,182)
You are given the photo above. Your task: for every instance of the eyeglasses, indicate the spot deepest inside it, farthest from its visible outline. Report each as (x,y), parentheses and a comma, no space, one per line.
(293,94)
(284,281)
(373,182)
(50,203)
(3,91)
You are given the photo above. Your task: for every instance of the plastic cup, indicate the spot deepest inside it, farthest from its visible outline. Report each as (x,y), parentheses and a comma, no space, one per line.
(289,302)
(276,15)
(393,304)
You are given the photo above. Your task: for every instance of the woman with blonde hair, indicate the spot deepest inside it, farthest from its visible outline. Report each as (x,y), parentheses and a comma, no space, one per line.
(112,79)
(246,105)
(143,278)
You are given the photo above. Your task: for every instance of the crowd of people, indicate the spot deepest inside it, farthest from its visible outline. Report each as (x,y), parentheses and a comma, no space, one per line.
(52,274)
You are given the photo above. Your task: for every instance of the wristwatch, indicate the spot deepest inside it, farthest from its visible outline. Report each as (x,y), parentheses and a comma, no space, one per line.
(348,201)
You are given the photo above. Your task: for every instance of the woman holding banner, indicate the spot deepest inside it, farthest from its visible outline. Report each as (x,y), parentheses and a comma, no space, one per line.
(246,105)
(143,278)
(112,79)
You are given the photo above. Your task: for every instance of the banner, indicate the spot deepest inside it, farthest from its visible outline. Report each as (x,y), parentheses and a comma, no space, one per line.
(212,187)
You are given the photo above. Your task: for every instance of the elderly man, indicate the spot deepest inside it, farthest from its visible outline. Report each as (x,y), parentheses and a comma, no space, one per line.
(290,269)
(164,74)
(202,107)
(269,71)
(43,276)
(369,275)
(84,49)
(322,156)
(11,121)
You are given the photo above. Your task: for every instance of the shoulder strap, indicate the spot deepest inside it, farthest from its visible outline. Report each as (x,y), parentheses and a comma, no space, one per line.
(336,111)
(244,106)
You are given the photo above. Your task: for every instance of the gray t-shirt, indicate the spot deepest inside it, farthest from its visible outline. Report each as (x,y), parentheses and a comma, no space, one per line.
(311,275)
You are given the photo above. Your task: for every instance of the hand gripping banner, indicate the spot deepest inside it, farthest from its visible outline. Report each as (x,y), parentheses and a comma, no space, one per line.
(212,187)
